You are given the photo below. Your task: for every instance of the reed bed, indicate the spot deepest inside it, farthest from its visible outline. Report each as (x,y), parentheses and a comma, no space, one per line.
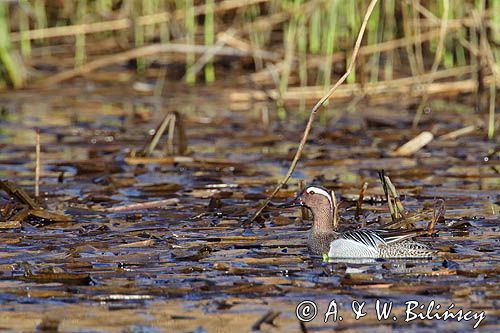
(277,44)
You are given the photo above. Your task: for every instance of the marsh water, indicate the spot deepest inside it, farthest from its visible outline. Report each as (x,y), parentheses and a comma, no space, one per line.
(198,265)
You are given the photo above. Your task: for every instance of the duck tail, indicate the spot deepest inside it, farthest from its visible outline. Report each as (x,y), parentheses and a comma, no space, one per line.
(407,249)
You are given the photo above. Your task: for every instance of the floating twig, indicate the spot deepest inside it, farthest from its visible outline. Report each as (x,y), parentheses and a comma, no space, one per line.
(143,205)
(457,133)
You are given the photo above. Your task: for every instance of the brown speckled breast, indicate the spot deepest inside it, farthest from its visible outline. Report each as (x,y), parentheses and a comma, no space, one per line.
(319,242)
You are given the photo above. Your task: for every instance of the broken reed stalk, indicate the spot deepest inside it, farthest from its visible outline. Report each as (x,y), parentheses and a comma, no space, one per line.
(315,110)
(37,163)
(437,60)
(359,203)
(170,135)
(437,214)
(335,211)
(158,133)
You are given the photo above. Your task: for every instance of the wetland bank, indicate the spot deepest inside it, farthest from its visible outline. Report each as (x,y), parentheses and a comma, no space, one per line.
(197,259)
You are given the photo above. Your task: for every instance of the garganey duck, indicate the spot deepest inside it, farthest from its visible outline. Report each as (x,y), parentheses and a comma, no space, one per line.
(361,243)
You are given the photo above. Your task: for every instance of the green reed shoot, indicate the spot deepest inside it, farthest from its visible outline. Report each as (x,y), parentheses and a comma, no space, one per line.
(459,11)
(6,59)
(389,34)
(139,38)
(289,41)
(495,33)
(149,7)
(209,39)
(329,43)
(448,54)
(257,38)
(375,35)
(302,52)
(315,31)
(24,26)
(81,11)
(491,116)
(353,22)
(104,6)
(190,25)
(40,14)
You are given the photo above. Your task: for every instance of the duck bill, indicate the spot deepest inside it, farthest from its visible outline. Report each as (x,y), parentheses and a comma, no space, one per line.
(297,202)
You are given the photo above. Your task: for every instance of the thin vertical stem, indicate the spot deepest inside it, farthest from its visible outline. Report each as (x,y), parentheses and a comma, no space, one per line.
(37,163)
(209,39)
(491,118)
(190,39)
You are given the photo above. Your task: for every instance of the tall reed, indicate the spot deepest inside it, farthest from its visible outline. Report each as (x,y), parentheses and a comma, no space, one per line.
(7,61)
(209,39)
(190,25)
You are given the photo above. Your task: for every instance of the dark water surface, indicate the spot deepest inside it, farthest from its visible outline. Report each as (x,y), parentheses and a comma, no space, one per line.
(195,266)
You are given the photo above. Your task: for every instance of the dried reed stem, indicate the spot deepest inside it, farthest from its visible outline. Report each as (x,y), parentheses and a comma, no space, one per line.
(316,108)
(37,163)
(144,51)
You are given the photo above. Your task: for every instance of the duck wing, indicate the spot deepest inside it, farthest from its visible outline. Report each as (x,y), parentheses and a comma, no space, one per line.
(367,237)
(376,237)
(396,236)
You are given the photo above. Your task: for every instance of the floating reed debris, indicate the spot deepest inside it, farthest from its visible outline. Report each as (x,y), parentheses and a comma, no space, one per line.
(26,206)
(392,196)
(143,205)
(169,123)
(414,144)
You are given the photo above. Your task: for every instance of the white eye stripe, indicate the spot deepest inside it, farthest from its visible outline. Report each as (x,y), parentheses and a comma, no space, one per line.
(321,191)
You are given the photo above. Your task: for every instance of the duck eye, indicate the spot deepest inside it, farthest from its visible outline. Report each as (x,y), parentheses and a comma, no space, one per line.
(311,192)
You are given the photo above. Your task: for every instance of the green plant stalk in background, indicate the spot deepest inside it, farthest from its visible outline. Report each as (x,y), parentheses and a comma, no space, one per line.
(302,52)
(209,39)
(491,116)
(495,33)
(6,58)
(290,39)
(139,39)
(389,34)
(190,40)
(24,26)
(315,31)
(328,43)
(80,54)
(352,17)
(375,32)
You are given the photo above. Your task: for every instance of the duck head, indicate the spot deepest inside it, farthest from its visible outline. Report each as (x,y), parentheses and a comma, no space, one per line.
(319,201)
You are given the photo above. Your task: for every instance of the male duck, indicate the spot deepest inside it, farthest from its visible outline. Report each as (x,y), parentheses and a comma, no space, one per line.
(361,243)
